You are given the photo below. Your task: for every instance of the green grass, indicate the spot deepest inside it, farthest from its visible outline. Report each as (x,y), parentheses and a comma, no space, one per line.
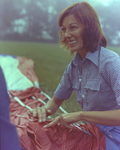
(116,49)
(50,62)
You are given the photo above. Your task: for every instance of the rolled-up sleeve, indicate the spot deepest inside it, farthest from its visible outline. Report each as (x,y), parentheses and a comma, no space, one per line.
(64,89)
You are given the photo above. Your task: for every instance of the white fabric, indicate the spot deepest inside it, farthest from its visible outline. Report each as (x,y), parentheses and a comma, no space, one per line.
(14,78)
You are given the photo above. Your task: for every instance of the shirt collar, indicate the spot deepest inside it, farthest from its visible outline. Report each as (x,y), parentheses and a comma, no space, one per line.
(76,59)
(94,57)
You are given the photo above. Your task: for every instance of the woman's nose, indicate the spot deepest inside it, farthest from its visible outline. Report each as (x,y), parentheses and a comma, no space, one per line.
(67,34)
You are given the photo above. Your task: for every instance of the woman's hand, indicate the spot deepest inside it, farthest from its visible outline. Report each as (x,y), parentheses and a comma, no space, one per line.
(65,119)
(43,112)
(40,112)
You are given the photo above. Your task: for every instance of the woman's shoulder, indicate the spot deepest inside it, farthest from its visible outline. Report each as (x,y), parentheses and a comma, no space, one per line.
(109,58)
(107,53)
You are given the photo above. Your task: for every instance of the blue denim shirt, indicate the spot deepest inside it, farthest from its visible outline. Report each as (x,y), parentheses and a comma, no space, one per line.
(95,80)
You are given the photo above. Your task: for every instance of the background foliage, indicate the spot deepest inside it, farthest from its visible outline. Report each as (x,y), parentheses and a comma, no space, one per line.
(36,20)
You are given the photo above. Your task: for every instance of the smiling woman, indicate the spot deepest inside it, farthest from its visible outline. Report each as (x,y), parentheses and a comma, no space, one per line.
(93,74)
(71,33)
(87,19)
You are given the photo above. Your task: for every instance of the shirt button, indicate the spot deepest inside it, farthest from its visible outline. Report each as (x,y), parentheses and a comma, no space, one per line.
(80,79)
(83,96)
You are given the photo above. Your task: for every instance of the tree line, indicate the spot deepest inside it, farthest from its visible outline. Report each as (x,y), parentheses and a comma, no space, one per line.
(28,20)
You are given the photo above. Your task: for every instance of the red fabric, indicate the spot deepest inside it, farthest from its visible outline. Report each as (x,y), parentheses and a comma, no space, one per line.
(26,66)
(28,93)
(26,98)
(58,138)
(34,137)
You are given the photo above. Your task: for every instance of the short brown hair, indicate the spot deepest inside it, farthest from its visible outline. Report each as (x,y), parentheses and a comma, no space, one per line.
(92,33)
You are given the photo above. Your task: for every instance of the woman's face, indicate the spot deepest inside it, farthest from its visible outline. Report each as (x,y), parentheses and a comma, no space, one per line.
(71,31)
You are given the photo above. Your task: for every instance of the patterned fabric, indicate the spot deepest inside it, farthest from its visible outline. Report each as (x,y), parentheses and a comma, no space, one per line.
(95,80)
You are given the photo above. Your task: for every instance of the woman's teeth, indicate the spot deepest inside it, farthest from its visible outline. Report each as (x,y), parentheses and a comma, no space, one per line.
(72,42)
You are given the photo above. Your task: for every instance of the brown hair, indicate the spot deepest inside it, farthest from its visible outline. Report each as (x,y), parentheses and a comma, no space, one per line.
(92,33)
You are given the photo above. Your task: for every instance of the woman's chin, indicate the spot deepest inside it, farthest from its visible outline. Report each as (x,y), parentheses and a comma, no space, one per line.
(72,51)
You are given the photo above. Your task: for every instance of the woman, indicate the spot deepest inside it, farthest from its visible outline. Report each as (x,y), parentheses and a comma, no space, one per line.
(93,74)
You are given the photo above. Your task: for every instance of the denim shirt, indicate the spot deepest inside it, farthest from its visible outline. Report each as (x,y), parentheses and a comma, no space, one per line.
(95,80)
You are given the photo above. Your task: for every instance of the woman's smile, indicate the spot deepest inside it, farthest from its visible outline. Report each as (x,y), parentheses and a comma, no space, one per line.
(72,42)
(72,33)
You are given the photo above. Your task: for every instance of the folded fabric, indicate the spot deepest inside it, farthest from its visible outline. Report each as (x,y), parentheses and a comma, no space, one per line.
(34,137)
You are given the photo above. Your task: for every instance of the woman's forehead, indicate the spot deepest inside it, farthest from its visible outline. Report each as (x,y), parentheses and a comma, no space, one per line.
(69,20)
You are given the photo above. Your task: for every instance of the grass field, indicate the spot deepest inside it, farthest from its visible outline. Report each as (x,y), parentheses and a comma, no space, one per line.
(50,62)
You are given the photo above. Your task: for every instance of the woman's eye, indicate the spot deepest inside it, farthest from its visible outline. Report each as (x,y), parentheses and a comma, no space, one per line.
(73,27)
(63,29)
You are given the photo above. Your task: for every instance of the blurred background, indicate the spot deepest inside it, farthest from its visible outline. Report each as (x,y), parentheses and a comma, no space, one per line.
(29,28)
(28,20)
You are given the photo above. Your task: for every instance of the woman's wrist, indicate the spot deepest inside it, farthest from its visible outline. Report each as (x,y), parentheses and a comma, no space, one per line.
(81,115)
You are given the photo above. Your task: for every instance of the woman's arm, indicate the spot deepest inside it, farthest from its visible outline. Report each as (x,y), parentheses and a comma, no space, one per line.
(43,112)
(53,104)
(110,118)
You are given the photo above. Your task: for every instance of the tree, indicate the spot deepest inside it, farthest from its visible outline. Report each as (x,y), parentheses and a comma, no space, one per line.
(38,20)
(109,16)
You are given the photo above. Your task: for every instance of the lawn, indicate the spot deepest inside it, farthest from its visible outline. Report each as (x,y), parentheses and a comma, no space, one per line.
(50,62)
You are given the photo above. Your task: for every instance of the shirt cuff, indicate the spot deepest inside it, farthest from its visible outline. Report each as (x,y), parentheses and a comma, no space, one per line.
(118,101)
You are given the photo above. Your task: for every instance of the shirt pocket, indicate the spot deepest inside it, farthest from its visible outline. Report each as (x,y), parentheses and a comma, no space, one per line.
(92,84)
(93,93)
